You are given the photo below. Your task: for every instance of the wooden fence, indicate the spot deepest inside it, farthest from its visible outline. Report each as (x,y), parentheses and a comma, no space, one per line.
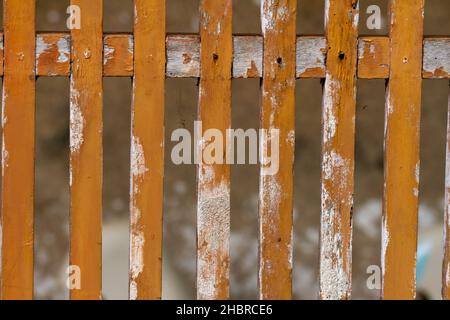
(279,57)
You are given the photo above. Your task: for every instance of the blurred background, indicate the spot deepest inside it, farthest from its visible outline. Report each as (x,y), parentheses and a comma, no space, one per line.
(52,166)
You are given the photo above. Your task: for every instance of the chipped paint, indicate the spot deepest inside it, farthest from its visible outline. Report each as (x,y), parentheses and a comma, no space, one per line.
(436,58)
(63,50)
(137,242)
(76,121)
(213,227)
(108,54)
(310,55)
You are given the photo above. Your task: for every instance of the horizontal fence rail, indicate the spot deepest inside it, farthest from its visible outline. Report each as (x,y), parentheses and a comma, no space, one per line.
(183,56)
(215,56)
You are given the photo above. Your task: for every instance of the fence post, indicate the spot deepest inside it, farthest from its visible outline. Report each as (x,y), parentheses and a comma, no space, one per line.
(18,122)
(278,22)
(147,150)
(402,138)
(214,111)
(86,104)
(338,149)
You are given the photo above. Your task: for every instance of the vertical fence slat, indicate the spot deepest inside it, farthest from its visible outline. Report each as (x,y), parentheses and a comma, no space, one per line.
(338,120)
(86,104)
(401,168)
(446,261)
(147,150)
(18,122)
(214,109)
(278,21)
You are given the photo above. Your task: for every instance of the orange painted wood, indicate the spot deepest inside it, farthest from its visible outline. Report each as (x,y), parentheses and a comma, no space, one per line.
(53,54)
(338,144)
(278,20)
(118,55)
(214,111)
(446,260)
(373,57)
(18,122)
(86,104)
(183,56)
(401,167)
(1,53)
(147,150)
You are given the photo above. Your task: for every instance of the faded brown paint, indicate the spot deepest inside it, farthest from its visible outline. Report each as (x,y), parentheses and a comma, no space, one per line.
(277,112)
(402,138)
(373,60)
(86,104)
(118,55)
(338,144)
(446,260)
(147,150)
(18,122)
(214,110)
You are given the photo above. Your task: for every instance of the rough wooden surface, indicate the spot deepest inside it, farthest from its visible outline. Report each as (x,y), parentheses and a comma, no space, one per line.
(118,55)
(214,109)
(338,144)
(436,58)
(373,58)
(402,138)
(183,56)
(18,122)
(147,151)
(278,20)
(446,260)
(86,104)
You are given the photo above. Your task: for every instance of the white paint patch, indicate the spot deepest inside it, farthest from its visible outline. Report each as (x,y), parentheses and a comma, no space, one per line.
(41,47)
(291,138)
(63,50)
(271,13)
(309,54)
(436,56)
(330,91)
(76,121)
(138,166)
(213,237)
(108,54)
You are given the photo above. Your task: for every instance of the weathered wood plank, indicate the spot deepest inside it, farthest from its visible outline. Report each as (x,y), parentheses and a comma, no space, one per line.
(118,55)
(214,111)
(446,260)
(147,150)
(338,144)
(18,122)
(86,104)
(53,54)
(373,58)
(402,138)
(278,21)
(436,58)
(183,56)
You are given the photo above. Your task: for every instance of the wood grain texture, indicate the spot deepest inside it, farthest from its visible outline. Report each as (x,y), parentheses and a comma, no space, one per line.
(338,144)
(402,138)
(446,260)
(147,150)
(278,20)
(183,56)
(118,55)
(18,122)
(214,111)
(373,58)
(86,106)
